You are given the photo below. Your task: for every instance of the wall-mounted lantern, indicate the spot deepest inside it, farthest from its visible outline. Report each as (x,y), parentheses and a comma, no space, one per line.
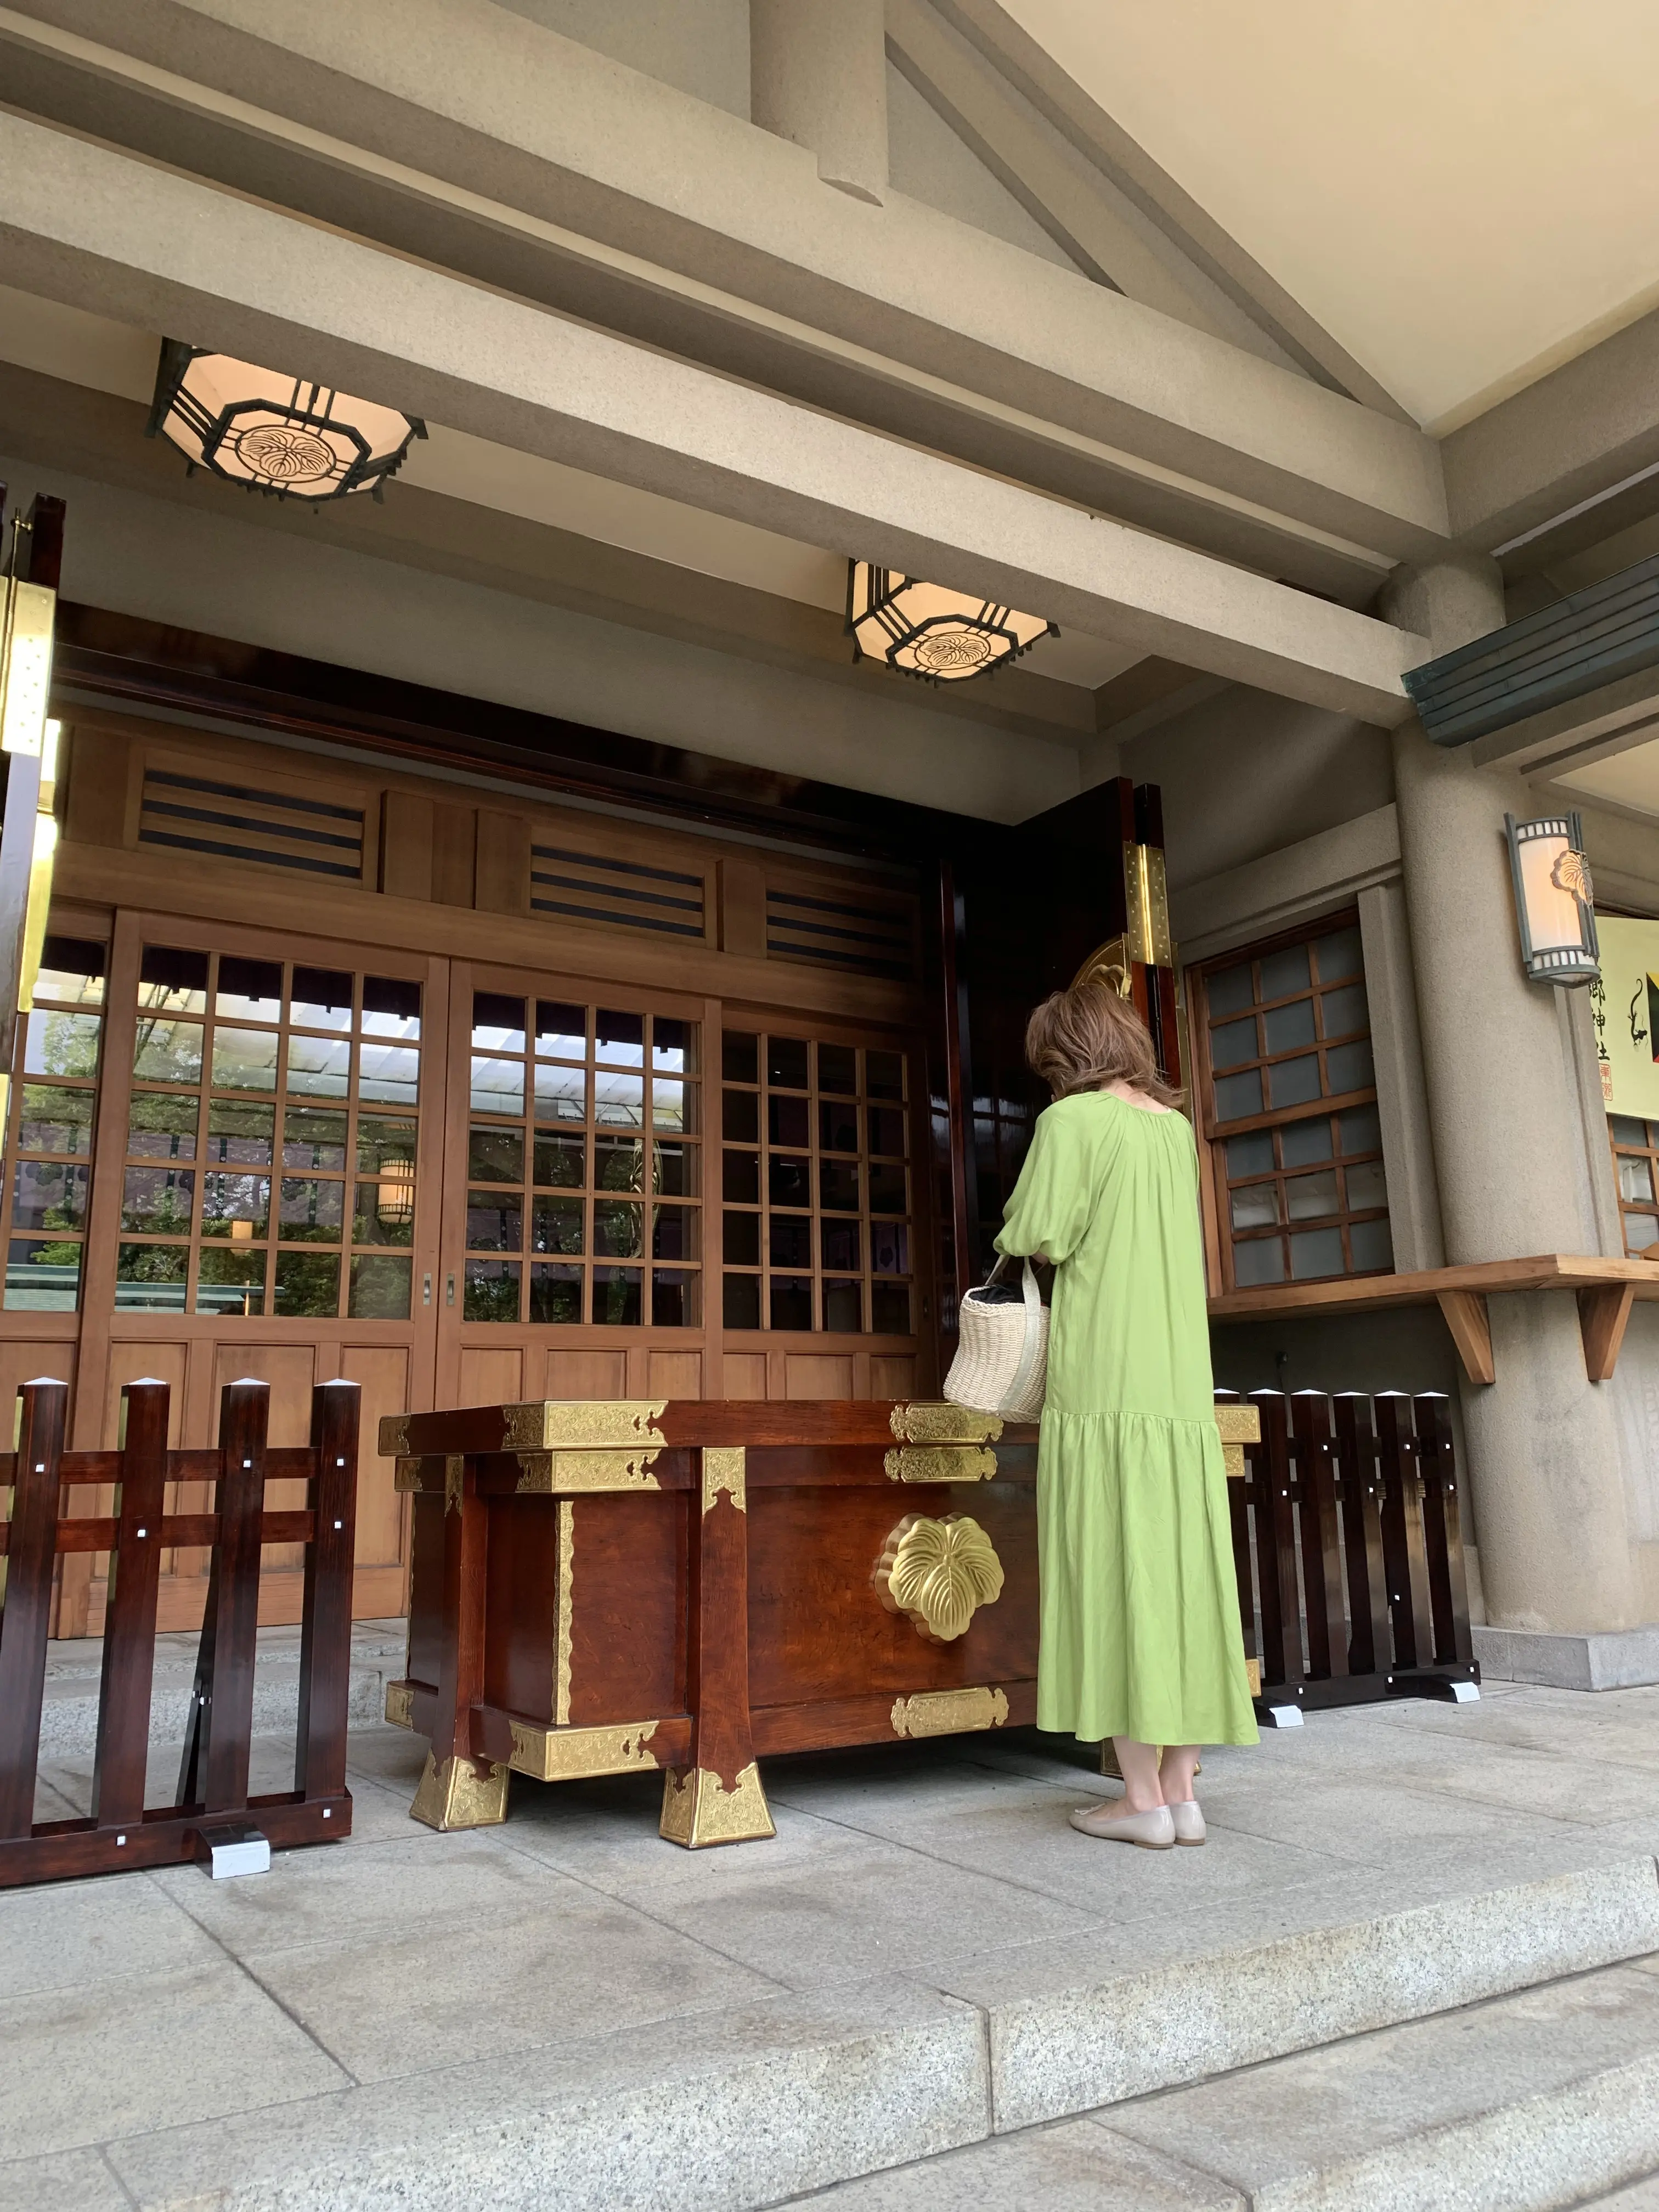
(275,434)
(923,630)
(1553,899)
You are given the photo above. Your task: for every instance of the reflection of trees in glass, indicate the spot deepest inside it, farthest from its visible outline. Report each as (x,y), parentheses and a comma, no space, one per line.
(381,1290)
(63,1044)
(493,1296)
(167,1051)
(152,1263)
(308,1282)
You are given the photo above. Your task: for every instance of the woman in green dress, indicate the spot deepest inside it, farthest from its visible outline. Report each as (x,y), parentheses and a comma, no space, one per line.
(1140,1633)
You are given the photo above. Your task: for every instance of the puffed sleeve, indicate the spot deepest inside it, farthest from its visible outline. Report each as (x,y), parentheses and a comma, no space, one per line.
(1050,1206)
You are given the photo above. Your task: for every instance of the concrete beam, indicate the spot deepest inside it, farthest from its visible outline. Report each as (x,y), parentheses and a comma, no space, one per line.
(1578,432)
(1015,54)
(1075,209)
(544,126)
(96,228)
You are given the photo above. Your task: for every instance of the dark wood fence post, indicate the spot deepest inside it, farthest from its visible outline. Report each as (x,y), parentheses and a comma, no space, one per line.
(1443,1526)
(1370,1639)
(1402,1534)
(1275,1546)
(718,1799)
(320,1759)
(1321,1555)
(218,1742)
(124,1700)
(31,1550)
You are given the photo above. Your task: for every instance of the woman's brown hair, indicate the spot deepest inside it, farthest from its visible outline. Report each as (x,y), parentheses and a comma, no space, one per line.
(1086,1037)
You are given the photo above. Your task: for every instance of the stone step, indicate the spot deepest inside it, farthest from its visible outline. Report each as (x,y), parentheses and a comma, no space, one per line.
(1524,2104)
(68,1708)
(777,2098)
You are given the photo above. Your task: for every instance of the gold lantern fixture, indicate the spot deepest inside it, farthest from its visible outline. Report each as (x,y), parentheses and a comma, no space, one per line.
(275,434)
(924,630)
(395,1199)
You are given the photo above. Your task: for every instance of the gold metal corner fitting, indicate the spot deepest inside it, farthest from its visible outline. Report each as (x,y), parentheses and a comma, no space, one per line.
(725,1468)
(697,1809)
(559,1473)
(940,1463)
(456,1795)
(554,1754)
(545,1424)
(939,1422)
(400,1703)
(1239,1425)
(938,1574)
(949,1712)
(1147,903)
(454,1481)
(394,1435)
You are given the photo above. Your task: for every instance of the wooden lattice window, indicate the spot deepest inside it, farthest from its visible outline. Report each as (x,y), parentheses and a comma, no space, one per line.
(1635,1165)
(271,1139)
(816,1188)
(1287,1099)
(49,1139)
(583,1166)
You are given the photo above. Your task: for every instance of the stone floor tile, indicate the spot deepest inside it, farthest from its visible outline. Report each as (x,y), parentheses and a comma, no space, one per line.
(890,1911)
(433,1992)
(1077,2166)
(346,1895)
(1016,1831)
(1531,2102)
(72,2181)
(1350,1816)
(394,1756)
(100,2059)
(1493,1774)
(762,2102)
(607,1833)
(65,1933)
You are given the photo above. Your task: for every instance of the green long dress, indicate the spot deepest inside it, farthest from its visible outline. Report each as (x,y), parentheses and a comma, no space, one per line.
(1140,1632)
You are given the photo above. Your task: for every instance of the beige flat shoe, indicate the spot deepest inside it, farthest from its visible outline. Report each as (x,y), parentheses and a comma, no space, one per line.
(1149,1832)
(1189,1828)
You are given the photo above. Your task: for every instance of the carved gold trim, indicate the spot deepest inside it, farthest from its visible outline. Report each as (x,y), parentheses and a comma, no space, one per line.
(406,1474)
(400,1703)
(1253,1676)
(1239,1424)
(1109,963)
(697,1809)
(454,1481)
(563,1622)
(542,1425)
(455,1795)
(553,1473)
(725,1468)
(939,1423)
(571,1754)
(394,1435)
(940,1463)
(949,1712)
(938,1574)
(1232,1462)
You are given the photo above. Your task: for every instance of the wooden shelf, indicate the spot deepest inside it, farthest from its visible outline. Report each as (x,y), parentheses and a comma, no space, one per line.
(1606,1290)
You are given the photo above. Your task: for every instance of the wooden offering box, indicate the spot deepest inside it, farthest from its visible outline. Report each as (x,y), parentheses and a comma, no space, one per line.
(690,1585)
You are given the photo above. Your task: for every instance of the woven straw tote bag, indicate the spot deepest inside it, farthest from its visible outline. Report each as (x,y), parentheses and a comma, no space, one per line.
(1001,1364)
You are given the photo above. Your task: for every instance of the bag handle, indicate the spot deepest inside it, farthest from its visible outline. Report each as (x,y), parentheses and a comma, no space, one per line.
(1031,1350)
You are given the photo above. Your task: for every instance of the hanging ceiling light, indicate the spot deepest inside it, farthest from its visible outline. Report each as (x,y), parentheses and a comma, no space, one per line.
(275,434)
(922,629)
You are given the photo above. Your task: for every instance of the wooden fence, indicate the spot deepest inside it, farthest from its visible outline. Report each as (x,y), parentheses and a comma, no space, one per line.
(212,1799)
(1349,1547)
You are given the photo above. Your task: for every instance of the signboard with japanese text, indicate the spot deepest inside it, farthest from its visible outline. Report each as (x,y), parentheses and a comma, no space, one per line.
(1626,1004)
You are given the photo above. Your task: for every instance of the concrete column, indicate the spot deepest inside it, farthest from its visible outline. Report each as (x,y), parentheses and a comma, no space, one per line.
(817,75)
(1511,1145)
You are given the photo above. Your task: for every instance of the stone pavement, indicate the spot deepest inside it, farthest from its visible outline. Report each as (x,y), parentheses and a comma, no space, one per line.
(1394,1976)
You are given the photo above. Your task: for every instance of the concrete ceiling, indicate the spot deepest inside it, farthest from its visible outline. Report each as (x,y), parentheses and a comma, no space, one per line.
(1464,195)
(1629,780)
